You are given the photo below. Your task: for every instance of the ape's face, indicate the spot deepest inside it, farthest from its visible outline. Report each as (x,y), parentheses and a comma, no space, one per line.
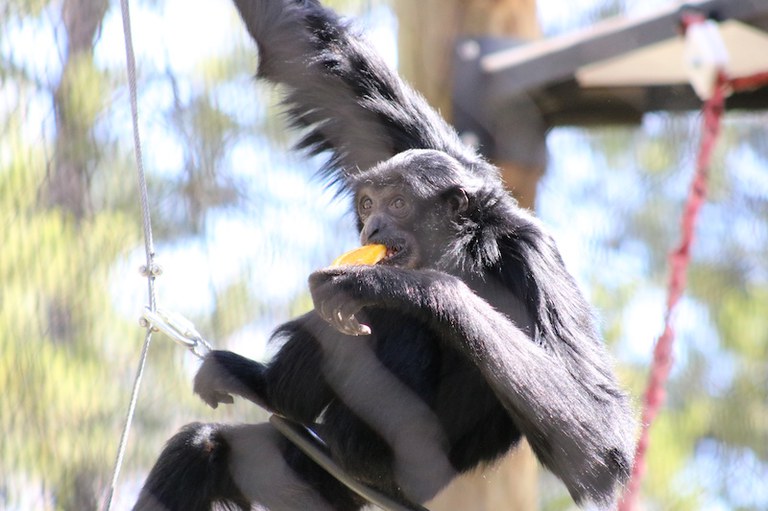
(412,204)
(388,216)
(417,232)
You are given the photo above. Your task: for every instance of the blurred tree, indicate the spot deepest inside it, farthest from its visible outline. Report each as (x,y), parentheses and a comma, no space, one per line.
(56,256)
(77,100)
(68,218)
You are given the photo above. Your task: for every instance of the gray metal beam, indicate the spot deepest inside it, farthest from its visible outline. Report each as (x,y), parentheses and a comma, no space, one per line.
(534,64)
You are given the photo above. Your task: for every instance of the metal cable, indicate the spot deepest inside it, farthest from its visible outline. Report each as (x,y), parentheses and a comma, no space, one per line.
(150,271)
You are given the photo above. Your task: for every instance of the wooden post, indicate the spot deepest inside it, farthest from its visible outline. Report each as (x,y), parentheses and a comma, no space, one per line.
(428,32)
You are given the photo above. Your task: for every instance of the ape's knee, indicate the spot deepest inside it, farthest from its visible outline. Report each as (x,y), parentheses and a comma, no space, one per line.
(192,473)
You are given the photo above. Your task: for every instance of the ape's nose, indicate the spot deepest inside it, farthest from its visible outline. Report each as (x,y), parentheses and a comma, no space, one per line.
(372,227)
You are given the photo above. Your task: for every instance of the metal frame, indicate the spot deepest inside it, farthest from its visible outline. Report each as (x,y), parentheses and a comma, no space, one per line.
(535,83)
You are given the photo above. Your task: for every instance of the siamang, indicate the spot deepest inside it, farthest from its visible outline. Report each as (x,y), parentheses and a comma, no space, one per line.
(468,335)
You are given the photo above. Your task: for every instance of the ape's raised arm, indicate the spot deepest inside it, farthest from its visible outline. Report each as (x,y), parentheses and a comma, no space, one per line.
(355,106)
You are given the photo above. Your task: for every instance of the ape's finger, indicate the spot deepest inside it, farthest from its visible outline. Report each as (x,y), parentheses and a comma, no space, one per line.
(328,318)
(357,327)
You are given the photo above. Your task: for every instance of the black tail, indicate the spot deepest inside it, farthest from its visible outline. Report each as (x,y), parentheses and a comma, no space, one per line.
(192,474)
(354,105)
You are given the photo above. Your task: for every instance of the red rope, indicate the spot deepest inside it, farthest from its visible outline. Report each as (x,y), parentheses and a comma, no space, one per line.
(750,82)
(678,259)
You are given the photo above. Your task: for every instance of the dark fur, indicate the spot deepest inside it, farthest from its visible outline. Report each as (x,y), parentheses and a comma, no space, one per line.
(486,339)
(197,455)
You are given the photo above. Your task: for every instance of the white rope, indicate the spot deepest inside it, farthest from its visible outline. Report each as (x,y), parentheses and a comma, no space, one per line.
(150,270)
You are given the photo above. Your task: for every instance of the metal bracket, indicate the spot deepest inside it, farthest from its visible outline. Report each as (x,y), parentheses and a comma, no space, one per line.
(178,328)
(503,124)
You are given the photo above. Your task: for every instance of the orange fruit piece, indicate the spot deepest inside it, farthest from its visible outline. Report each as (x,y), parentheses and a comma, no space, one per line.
(367,254)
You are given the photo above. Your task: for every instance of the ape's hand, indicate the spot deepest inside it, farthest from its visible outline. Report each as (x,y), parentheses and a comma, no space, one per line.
(214,382)
(339,294)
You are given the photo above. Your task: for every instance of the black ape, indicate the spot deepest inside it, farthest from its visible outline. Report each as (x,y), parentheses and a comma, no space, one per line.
(477,332)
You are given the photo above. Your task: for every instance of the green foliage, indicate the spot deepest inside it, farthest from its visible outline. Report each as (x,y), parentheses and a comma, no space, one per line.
(60,399)
(14,8)
(743,322)
(235,306)
(83,90)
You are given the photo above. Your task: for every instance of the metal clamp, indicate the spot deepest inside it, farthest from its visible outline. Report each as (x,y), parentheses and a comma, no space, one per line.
(178,328)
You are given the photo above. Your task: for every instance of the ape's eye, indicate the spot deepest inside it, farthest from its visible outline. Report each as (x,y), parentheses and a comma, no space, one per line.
(398,203)
(366,204)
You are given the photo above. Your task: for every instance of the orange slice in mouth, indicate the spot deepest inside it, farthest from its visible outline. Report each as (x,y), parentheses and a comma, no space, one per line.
(367,254)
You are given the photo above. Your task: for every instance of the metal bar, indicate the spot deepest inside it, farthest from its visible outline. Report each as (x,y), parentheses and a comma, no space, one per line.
(306,440)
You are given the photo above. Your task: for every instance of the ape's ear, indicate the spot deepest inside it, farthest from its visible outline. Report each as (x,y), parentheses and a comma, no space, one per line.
(457,199)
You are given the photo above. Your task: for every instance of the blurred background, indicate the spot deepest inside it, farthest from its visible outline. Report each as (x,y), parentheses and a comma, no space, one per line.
(240,222)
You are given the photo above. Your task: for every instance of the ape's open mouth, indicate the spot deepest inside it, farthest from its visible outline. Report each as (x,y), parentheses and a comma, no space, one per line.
(390,253)
(396,255)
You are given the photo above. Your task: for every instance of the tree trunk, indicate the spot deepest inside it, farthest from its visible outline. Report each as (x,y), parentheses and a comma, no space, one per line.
(68,180)
(428,30)
(68,189)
